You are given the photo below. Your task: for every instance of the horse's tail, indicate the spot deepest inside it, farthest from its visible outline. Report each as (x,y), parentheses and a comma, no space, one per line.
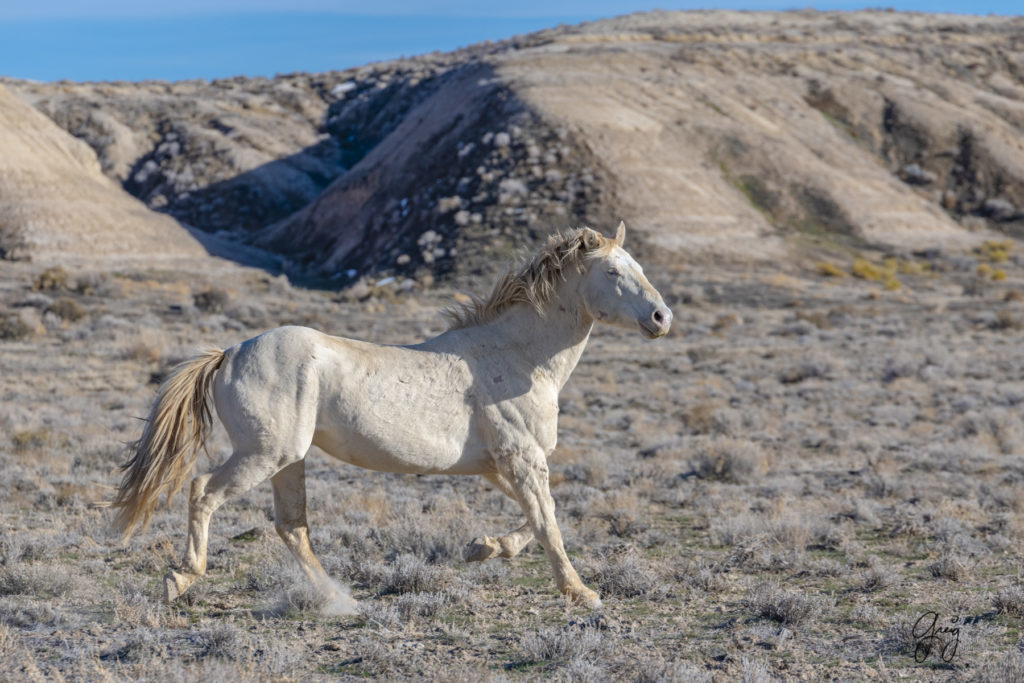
(175,431)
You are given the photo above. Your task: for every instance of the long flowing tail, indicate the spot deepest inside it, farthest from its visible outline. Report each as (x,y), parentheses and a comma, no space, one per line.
(175,431)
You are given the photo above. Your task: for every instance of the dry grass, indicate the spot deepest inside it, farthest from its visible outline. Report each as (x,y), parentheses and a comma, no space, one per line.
(787,607)
(780,496)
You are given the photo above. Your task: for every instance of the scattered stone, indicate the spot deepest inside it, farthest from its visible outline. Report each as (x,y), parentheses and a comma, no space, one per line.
(511,188)
(343,88)
(448,204)
(998,209)
(915,175)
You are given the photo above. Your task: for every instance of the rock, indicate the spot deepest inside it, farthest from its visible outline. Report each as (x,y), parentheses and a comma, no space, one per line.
(511,188)
(502,140)
(915,175)
(428,238)
(998,209)
(343,88)
(448,204)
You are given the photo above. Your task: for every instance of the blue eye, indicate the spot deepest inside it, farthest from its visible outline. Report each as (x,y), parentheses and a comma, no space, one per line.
(613,271)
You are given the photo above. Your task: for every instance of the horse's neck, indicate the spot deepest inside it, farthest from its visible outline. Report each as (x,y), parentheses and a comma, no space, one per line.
(552,342)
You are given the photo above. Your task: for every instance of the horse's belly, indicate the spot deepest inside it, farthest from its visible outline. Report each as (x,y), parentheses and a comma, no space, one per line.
(409,446)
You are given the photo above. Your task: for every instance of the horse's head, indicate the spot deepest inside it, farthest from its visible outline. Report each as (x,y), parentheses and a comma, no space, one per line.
(615,290)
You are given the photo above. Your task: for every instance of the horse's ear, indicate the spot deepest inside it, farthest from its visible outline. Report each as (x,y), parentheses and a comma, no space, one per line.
(620,233)
(591,239)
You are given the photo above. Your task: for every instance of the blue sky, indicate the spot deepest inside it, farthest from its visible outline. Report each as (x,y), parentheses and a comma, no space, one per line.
(135,40)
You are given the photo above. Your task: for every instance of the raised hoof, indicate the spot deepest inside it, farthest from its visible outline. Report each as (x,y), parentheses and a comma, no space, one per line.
(480,549)
(585,598)
(176,584)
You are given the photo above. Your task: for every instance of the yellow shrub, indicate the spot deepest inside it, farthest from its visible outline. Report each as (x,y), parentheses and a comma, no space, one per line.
(866,270)
(827,269)
(984,270)
(996,252)
(905,267)
(999,274)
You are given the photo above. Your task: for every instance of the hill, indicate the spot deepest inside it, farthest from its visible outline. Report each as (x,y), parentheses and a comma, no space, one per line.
(57,206)
(724,134)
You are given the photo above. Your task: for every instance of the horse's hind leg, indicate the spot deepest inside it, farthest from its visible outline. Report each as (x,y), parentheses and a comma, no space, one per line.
(484,547)
(290,521)
(241,472)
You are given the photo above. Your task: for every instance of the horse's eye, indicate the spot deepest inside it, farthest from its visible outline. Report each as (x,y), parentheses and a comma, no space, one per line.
(613,272)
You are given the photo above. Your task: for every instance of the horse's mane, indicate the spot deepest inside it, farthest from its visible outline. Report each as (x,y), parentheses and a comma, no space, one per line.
(534,282)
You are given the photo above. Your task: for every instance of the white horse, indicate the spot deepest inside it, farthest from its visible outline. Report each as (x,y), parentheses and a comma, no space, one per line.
(481,398)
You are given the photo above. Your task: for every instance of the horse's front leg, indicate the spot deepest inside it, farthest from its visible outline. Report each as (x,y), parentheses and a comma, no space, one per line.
(527,472)
(484,547)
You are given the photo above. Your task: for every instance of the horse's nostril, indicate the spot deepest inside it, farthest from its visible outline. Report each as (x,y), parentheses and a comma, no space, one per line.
(657,316)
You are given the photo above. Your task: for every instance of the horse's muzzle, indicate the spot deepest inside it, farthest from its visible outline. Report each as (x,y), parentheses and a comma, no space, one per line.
(658,324)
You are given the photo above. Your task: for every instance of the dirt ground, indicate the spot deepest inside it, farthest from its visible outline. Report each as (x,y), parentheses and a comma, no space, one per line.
(815,476)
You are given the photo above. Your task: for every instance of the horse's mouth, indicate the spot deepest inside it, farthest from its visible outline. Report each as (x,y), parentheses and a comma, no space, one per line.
(652,331)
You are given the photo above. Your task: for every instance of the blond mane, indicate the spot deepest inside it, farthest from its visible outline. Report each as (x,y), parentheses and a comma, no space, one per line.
(534,283)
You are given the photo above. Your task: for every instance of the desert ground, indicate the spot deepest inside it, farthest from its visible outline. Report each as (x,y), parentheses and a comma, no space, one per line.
(817,474)
(811,462)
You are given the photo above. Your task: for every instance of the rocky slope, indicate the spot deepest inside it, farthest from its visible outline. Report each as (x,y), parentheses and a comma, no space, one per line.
(230,155)
(736,135)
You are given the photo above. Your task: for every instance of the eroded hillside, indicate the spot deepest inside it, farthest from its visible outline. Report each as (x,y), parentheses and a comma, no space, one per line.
(735,135)
(56,205)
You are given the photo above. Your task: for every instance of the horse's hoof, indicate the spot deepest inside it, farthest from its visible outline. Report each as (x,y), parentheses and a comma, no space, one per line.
(175,585)
(480,549)
(585,598)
